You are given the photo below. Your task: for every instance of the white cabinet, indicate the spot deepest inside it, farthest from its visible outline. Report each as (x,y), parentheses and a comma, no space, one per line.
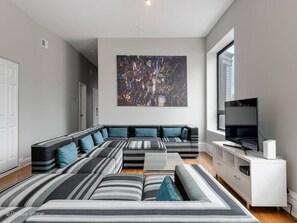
(266,185)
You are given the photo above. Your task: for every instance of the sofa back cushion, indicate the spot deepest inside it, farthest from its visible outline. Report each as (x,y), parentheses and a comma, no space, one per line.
(168,191)
(190,184)
(118,132)
(66,155)
(44,154)
(98,138)
(104,133)
(77,136)
(132,129)
(184,134)
(145,132)
(171,132)
(87,143)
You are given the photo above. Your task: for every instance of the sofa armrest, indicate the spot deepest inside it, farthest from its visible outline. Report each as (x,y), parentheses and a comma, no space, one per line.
(193,137)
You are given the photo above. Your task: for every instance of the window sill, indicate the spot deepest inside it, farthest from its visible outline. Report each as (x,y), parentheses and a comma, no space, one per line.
(219,132)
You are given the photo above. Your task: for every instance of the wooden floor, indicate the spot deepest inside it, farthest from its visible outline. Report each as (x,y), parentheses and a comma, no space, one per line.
(264,215)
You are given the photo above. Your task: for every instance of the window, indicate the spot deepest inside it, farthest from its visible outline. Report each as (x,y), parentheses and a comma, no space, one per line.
(225,79)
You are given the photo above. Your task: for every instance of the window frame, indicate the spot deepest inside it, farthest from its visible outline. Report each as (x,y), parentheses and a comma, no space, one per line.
(220,112)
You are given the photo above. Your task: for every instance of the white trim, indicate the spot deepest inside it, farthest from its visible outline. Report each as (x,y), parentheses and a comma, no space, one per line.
(292,198)
(13,170)
(205,147)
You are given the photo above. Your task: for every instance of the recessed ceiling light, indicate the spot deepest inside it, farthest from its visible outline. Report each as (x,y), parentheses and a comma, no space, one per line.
(148,2)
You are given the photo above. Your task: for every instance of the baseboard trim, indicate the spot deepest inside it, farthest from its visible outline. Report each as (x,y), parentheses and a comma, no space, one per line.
(205,147)
(292,198)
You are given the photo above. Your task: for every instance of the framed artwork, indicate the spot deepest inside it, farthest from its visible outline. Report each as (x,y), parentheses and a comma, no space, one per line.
(159,81)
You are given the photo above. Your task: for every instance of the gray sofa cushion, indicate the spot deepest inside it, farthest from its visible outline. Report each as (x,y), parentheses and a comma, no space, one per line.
(44,154)
(89,165)
(119,187)
(40,188)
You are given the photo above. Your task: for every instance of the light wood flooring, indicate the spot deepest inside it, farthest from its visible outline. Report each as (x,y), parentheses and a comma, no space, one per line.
(265,215)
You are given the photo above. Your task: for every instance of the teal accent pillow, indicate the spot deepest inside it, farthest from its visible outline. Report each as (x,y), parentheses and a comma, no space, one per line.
(184,134)
(87,143)
(104,133)
(66,155)
(168,191)
(98,138)
(145,132)
(171,132)
(117,132)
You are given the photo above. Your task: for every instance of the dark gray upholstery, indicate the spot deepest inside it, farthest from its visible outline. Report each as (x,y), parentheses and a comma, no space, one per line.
(44,153)
(40,188)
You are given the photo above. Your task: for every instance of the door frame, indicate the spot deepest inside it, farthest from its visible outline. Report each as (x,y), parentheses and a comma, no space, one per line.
(94,116)
(81,84)
(17,120)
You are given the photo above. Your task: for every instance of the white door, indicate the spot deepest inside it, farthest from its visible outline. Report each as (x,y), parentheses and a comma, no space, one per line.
(9,72)
(95,107)
(82,106)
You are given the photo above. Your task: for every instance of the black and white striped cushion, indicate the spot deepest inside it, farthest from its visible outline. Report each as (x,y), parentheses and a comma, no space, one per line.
(40,188)
(120,187)
(15,214)
(111,149)
(152,185)
(89,165)
(145,144)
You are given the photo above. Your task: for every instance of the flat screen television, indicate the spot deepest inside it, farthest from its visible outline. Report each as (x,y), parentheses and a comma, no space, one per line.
(241,123)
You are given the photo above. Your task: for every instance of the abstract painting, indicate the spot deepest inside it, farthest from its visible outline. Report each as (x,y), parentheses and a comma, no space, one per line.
(159,81)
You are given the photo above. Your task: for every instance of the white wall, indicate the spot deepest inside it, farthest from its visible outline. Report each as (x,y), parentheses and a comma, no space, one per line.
(48,79)
(110,113)
(265,34)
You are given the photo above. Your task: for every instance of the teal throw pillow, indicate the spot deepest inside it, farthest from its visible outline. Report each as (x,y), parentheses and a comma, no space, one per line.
(66,155)
(87,143)
(104,133)
(168,191)
(184,134)
(98,138)
(145,132)
(117,132)
(171,132)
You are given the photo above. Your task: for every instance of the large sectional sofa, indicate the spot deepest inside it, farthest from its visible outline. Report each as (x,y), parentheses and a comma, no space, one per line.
(126,150)
(91,189)
(120,198)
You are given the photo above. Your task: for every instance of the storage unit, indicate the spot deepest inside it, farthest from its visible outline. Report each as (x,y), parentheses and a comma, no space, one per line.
(264,185)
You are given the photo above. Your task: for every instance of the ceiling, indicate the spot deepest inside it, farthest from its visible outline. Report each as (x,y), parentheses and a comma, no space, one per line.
(81,22)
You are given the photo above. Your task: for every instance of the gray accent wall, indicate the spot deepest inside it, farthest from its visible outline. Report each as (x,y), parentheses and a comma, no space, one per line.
(110,113)
(48,78)
(265,33)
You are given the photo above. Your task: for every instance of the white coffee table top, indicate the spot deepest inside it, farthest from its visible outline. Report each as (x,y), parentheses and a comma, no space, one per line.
(161,162)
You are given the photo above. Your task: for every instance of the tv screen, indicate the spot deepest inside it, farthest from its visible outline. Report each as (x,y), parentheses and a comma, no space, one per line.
(241,123)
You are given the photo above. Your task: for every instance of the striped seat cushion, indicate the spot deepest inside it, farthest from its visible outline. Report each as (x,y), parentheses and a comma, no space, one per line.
(89,165)
(152,185)
(110,152)
(15,214)
(145,144)
(120,187)
(185,148)
(40,188)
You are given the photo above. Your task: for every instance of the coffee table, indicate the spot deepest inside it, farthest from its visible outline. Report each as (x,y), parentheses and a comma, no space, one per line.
(161,162)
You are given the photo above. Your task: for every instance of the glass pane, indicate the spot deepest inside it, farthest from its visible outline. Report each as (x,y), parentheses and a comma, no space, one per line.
(225,77)
(222,122)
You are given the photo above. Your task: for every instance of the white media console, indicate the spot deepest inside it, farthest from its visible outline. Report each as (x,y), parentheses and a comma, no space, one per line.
(266,183)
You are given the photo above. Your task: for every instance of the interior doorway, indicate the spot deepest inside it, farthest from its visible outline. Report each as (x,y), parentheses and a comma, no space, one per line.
(95,107)
(9,102)
(82,100)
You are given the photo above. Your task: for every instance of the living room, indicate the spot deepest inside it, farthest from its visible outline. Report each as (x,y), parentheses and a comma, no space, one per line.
(58,44)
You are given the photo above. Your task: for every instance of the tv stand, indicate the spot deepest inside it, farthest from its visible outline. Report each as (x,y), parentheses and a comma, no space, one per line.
(257,185)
